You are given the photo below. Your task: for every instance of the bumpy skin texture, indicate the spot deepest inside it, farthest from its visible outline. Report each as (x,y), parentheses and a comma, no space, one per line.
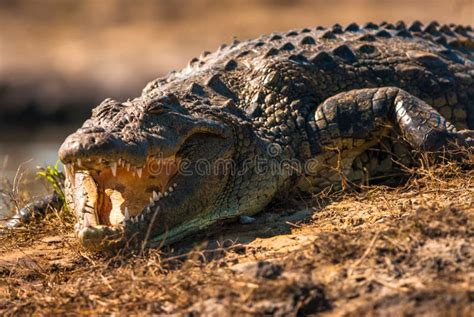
(349,100)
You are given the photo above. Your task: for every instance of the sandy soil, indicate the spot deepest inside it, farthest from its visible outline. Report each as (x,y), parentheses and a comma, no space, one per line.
(378,251)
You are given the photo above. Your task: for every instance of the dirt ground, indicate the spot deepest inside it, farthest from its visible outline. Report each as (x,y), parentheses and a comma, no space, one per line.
(376,251)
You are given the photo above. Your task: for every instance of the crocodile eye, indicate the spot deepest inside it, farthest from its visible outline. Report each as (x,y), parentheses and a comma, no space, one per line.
(157,109)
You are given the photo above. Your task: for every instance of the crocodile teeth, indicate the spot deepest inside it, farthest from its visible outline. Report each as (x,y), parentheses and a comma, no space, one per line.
(166,194)
(142,217)
(86,222)
(155,196)
(113,167)
(170,189)
(68,171)
(100,160)
(128,167)
(139,172)
(127,215)
(79,162)
(148,209)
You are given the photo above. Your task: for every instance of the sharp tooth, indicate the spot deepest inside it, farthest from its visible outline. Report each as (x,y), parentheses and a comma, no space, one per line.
(142,217)
(166,194)
(148,209)
(160,195)
(100,160)
(127,214)
(79,162)
(128,167)
(86,222)
(170,189)
(67,171)
(174,185)
(155,195)
(139,172)
(113,167)
(119,162)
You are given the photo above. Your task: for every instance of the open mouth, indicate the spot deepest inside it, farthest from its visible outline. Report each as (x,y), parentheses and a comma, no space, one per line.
(108,196)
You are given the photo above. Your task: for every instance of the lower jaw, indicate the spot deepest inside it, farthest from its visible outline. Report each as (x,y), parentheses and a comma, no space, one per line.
(102,238)
(94,229)
(112,238)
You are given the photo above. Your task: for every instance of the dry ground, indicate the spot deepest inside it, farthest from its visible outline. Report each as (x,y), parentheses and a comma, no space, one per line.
(379,251)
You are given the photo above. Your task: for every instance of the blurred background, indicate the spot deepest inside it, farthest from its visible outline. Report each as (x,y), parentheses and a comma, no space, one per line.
(60,58)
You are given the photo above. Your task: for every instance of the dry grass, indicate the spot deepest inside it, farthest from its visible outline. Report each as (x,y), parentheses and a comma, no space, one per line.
(393,251)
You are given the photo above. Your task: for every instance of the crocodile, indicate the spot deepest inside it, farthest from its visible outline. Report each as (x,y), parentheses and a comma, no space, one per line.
(259,120)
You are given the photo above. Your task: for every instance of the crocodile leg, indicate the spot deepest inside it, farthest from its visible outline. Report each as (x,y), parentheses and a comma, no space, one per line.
(349,123)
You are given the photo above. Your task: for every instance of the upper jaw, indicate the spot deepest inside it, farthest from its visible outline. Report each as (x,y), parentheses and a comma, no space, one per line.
(101,150)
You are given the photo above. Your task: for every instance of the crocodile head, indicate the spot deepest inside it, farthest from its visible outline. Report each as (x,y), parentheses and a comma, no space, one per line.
(132,171)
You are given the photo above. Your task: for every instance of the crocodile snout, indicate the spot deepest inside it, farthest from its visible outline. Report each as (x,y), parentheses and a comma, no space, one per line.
(94,145)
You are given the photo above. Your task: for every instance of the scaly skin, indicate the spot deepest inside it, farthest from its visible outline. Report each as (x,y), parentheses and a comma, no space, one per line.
(336,105)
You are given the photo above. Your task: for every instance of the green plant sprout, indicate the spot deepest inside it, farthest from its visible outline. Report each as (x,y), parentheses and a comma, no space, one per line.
(55,177)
